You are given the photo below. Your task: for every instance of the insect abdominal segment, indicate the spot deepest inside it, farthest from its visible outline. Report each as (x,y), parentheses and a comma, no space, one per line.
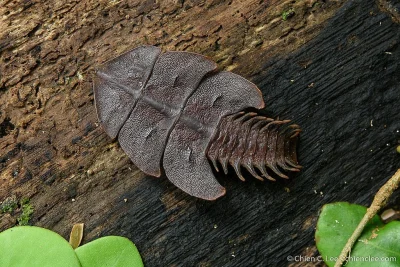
(256,143)
(175,110)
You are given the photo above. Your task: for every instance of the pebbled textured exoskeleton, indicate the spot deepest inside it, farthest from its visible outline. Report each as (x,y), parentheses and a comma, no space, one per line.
(174,110)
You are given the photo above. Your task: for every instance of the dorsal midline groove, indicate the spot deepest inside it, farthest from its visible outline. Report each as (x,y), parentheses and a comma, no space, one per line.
(128,90)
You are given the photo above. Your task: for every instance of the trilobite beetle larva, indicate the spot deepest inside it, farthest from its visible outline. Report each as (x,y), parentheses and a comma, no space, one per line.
(175,110)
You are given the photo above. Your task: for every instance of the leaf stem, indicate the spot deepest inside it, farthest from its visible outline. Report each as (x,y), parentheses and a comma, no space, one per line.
(380,200)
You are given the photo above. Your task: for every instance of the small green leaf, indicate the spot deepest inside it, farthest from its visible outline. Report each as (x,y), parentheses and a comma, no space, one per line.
(9,204)
(27,211)
(35,247)
(378,245)
(287,14)
(110,251)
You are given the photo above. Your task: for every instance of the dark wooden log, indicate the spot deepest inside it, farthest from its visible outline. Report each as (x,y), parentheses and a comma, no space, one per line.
(330,66)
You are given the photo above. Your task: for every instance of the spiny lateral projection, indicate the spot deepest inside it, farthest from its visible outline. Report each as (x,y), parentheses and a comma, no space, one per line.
(175,110)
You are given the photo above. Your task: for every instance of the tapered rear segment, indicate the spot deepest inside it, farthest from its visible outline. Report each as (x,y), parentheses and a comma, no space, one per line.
(185,160)
(265,147)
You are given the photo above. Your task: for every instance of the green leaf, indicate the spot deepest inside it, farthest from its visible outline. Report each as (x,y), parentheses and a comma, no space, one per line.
(378,245)
(35,247)
(27,211)
(111,251)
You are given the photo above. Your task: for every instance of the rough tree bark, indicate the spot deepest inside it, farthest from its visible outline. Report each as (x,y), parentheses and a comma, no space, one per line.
(330,66)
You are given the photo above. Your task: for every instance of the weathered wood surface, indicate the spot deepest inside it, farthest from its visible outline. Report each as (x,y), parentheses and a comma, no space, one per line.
(333,67)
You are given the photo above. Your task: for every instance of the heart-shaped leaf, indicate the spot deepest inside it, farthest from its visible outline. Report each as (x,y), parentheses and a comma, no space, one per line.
(378,245)
(35,247)
(38,247)
(113,251)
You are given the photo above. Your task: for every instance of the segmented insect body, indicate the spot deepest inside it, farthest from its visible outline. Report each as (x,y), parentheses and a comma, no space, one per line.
(175,110)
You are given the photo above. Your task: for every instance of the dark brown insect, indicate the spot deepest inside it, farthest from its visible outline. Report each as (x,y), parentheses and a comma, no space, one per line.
(175,110)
